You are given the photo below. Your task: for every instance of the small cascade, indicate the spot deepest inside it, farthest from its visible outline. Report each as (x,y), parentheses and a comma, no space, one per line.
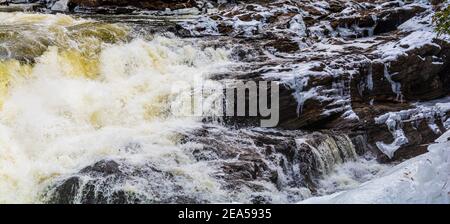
(329,151)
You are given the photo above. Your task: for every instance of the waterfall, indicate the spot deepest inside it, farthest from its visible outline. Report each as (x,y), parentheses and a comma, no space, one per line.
(82,91)
(328,150)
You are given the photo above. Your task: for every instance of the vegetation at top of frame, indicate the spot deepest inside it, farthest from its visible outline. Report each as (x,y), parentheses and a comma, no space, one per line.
(442,21)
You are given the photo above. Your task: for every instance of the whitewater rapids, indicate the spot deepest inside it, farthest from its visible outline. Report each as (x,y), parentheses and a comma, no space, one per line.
(74,91)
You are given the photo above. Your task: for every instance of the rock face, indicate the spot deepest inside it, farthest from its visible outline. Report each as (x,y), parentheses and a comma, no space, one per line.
(149,4)
(341,67)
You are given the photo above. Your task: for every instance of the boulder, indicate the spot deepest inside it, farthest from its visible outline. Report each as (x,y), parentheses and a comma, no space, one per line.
(106,182)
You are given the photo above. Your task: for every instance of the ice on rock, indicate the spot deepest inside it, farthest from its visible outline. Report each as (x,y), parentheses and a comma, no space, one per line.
(369,81)
(393,121)
(298,83)
(61,6)
(350,115)
(300,95)
(297,25)
(423,111)
(247,28)
(399,140)
(396,86)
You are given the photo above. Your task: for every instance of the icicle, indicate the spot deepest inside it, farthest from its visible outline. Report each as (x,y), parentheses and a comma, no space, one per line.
(369,80)
(300,95)
(396,86)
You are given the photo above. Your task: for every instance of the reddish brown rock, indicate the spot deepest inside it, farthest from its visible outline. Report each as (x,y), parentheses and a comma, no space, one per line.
(144,4)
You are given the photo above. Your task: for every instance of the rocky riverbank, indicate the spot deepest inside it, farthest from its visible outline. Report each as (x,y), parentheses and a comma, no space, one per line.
(357,79)
(365,69)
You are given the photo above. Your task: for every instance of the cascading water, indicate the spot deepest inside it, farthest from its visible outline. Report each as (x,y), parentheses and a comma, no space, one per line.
(88,96)
(89,115)
(329,151)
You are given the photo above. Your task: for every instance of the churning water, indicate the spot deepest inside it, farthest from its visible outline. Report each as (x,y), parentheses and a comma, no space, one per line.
(75,91)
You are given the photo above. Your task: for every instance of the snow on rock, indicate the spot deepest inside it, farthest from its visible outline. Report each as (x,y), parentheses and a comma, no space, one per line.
(423,179)
(417,39)
(204,26)
(394,120)
(421,32)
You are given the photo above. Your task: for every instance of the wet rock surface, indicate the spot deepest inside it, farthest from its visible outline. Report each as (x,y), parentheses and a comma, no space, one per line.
(105,182)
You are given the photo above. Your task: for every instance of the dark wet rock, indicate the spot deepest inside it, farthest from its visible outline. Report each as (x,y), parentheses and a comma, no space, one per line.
(283,45)
(103,168)
(259,199)
(67,191)
(105,182)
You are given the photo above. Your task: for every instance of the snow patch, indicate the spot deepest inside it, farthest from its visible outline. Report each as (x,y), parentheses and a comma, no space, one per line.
(417,39)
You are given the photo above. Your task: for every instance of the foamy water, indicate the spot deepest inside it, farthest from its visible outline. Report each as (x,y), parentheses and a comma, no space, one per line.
(89,96)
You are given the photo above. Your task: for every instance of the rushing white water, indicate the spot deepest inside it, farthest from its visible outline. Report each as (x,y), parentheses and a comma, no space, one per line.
(79,103)
(350,175)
